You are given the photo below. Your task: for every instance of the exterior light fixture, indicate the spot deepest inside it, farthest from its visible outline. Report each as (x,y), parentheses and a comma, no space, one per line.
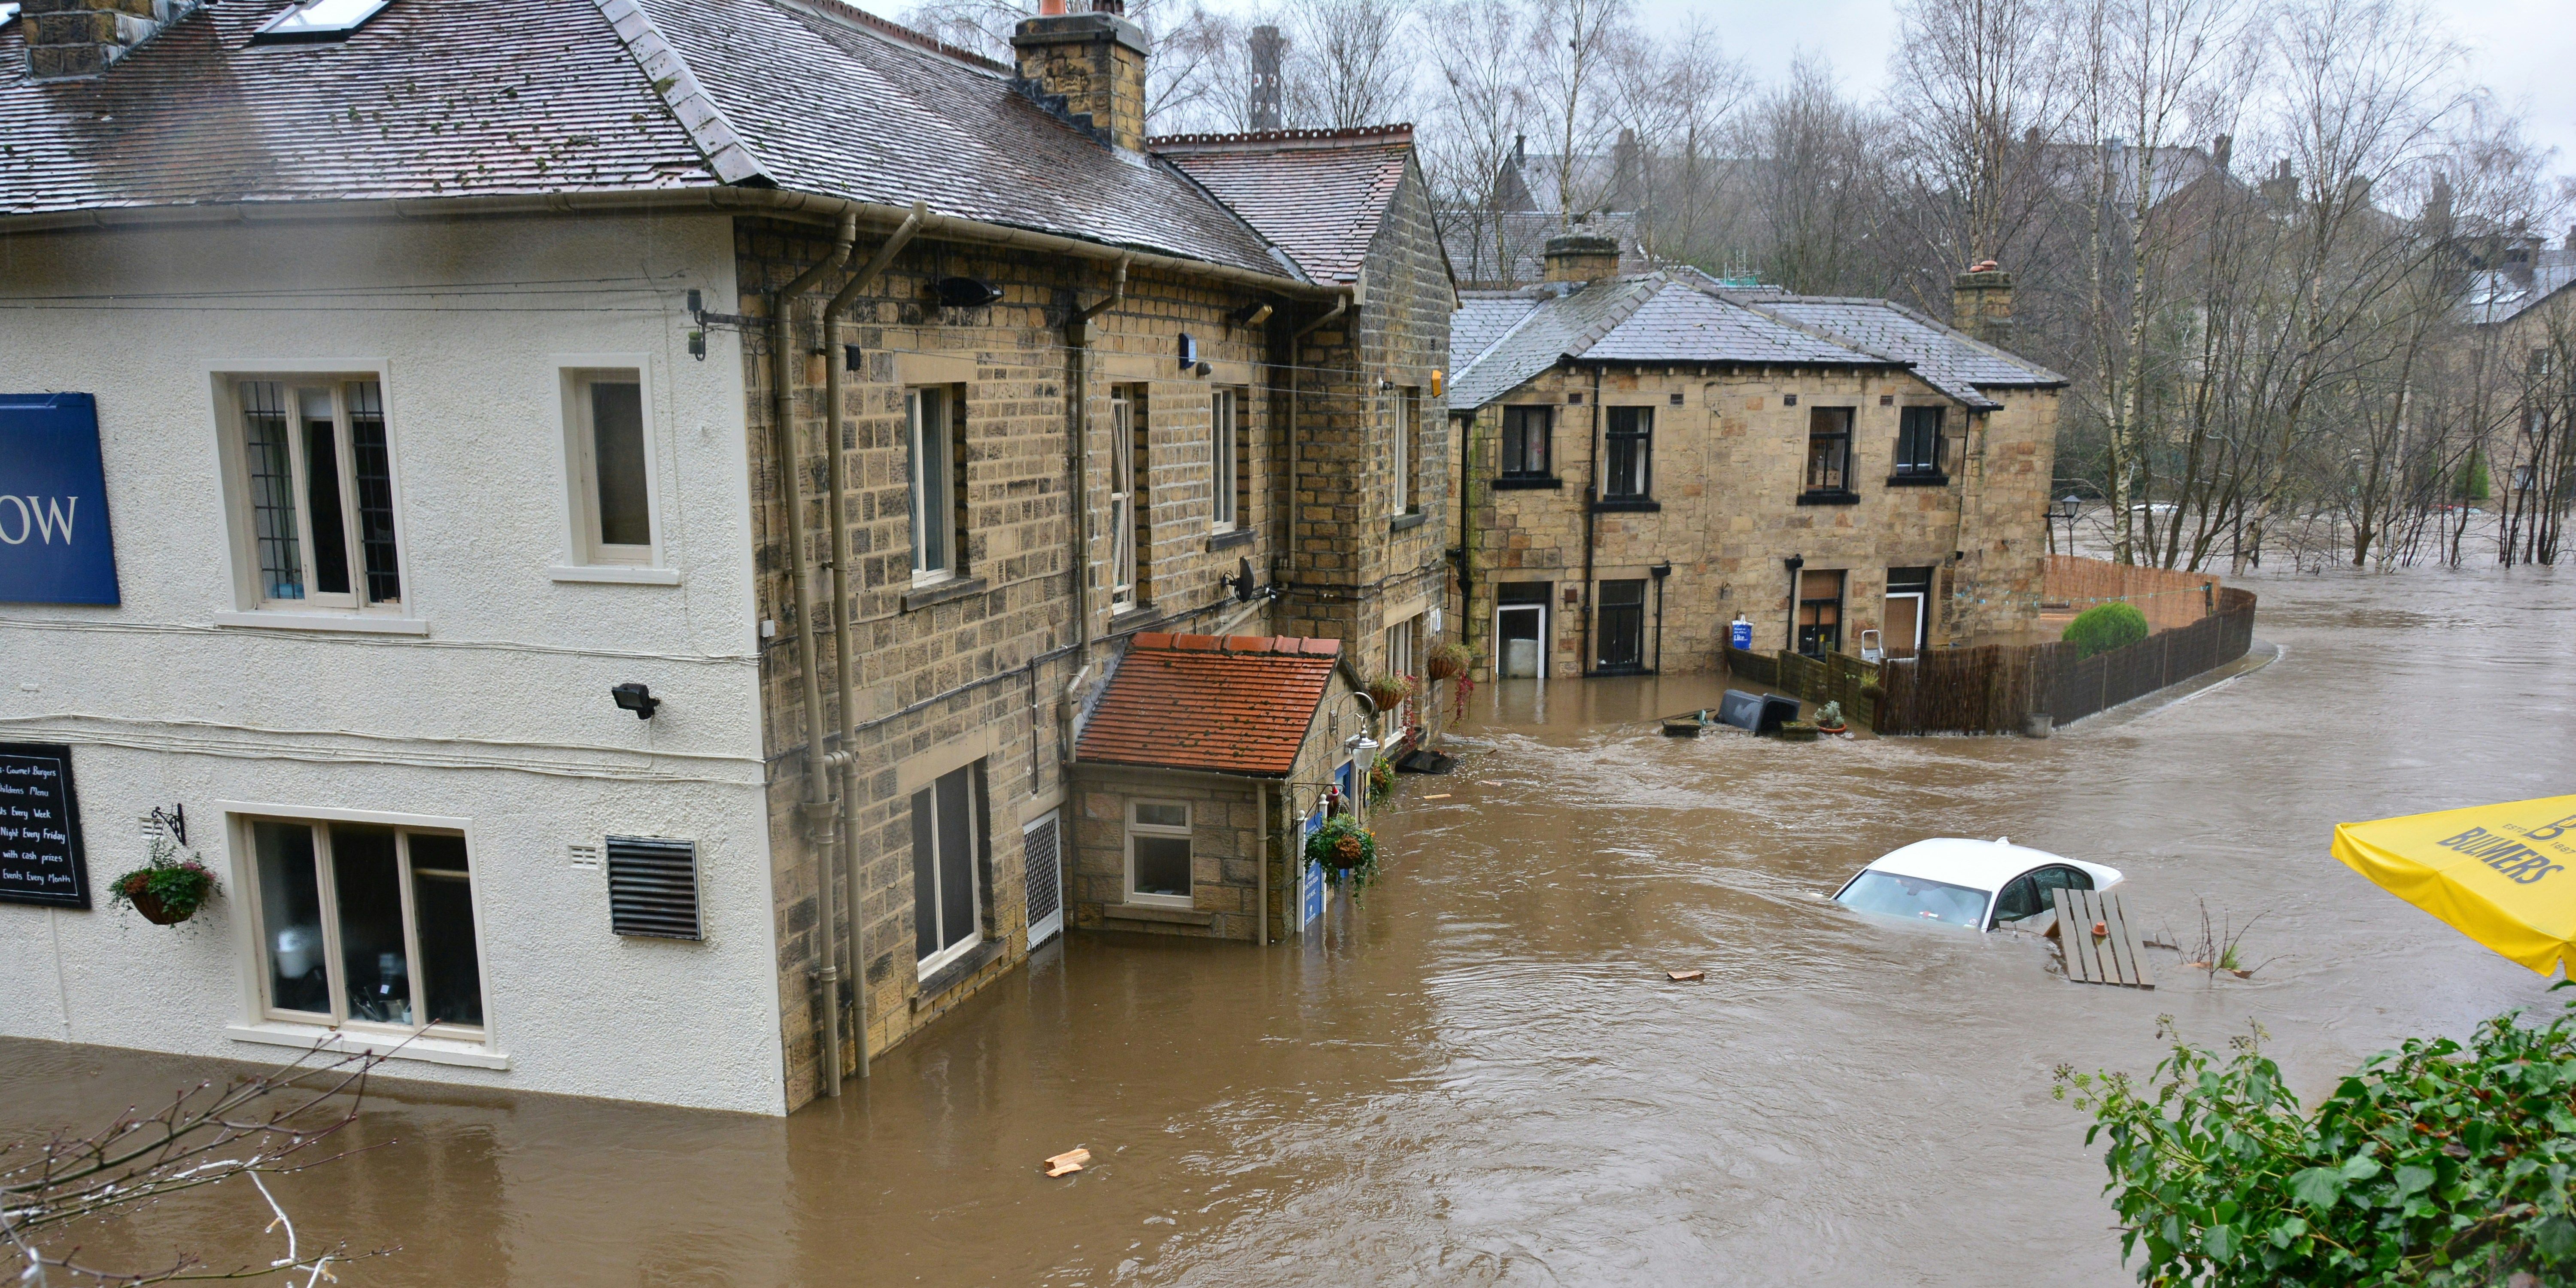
(965,292)
(634,697)
(1359,744)
(1189,351)
(1253,314)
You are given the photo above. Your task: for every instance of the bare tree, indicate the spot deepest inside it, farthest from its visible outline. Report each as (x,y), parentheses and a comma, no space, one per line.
(1978,89)
(251,1130)
(1815,186)
(1479,109)
(1674,96)
(1571,45)
(1350,62)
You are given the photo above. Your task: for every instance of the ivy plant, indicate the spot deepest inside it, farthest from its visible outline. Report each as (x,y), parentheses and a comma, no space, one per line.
(2434,1164)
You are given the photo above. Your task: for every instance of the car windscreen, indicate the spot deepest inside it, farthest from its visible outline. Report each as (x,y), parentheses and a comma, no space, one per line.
(1916,897)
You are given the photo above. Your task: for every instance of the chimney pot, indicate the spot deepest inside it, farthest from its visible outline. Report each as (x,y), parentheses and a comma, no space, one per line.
(1581,257)
(75,39)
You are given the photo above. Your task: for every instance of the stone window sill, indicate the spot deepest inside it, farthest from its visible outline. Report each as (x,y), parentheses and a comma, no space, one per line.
(1403,521)
(391,1045)
(1134,617)
(1626,504)
(1829,498)
(1918,480)
(1229,540)
(615,575)
(1152,912)
(941,592)
(1528,482)
(354,623)
(957,972)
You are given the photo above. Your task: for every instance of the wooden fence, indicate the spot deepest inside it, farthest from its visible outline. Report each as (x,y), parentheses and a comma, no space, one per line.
(1989,689)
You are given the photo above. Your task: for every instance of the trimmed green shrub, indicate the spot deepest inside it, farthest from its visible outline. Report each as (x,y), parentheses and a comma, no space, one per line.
(2436,1164)
(2104,627)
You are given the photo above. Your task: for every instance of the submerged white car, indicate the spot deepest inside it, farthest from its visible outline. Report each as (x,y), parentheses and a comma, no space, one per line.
(1980,885)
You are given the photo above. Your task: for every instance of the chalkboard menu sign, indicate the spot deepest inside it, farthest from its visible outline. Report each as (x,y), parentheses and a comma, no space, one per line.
(40,837)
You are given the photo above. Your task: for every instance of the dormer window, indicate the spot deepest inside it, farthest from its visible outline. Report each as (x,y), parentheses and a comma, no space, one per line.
(316,20)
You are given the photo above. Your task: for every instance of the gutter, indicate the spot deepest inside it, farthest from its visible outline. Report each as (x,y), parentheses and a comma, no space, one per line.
(772,202)
(844,656)
(816,811)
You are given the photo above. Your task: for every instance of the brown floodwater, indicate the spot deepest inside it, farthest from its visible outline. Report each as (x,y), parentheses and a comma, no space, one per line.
(1480,1076)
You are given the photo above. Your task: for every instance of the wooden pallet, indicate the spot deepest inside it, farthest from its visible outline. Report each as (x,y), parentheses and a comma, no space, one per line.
(2112,957)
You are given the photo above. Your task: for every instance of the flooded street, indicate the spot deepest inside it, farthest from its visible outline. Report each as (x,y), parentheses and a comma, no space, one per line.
(1481,1076)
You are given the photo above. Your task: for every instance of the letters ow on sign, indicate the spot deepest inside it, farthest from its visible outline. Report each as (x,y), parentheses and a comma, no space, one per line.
(55,543)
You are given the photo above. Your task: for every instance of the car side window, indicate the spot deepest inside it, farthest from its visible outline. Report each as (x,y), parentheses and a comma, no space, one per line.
(2019,900)
(2052,880)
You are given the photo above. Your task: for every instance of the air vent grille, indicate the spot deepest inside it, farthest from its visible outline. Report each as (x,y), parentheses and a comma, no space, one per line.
(1045,898)
(653,887)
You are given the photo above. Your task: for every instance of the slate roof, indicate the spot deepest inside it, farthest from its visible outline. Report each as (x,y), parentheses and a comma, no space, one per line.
(2501,296)
(1946,359)
(1233,704)
(1319,194)
(436,98)
(1657,317)
(1499,340)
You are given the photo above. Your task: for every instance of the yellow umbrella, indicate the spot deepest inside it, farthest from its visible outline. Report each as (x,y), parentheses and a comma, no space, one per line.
(2504,875)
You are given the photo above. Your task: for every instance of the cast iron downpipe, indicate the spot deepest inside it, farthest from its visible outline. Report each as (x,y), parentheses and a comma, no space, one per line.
(1591,517)
(845,660)
(1794,562)
(1077,465)
(816,811)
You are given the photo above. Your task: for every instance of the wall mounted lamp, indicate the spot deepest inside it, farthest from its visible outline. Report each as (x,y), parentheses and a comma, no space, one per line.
(634,697)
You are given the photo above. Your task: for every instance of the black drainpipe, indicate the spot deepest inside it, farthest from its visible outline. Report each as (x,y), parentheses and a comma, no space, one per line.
(1661,571)
(1591,504)
(1795,563)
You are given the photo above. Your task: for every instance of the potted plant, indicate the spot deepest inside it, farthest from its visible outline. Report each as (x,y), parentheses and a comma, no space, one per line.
(168,889)
(1830,720)
(1381,780)
(1345,851)
(1390,691)
(1451,660)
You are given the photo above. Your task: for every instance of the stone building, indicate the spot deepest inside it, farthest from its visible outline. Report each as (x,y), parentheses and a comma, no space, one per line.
(471,379)
(1649,457)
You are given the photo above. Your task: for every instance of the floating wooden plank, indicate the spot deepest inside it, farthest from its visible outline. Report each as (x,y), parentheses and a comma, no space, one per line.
(2113,957)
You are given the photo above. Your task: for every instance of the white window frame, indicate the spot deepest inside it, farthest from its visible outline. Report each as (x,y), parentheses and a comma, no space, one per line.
(1183,832)
(1123,489)
(932,481)
(1400,661)
(978,844)
(1224,406)
(240,818)
(575,374)
(232,419)
(1403,442)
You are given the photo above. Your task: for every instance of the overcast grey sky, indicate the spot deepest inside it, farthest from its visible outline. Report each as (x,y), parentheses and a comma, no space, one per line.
(2523,49)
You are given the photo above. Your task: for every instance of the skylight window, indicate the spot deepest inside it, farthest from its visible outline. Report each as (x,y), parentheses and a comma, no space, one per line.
(7,12)
(317,20)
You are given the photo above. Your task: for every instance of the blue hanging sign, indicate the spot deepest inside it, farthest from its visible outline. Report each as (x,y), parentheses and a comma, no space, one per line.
(1310,887)
(54,542)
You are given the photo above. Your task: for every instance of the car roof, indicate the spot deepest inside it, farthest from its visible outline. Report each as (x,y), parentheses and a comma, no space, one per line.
(1980,865)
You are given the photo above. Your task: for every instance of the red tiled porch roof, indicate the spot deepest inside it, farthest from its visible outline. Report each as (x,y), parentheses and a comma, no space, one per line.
(1232,704)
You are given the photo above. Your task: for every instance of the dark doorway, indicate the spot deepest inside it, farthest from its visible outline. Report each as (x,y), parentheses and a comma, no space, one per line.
(1820,612)
(1623,626)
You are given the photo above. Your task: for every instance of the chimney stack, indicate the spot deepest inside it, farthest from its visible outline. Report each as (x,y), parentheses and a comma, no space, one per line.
(1581,257)
(1981,303)
(1095,63)
(1269,52)
(2222,149)
(77,39)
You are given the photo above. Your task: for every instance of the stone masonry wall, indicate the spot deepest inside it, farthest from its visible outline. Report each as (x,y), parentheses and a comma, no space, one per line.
(973,668)
(1728,468)
(1360,562)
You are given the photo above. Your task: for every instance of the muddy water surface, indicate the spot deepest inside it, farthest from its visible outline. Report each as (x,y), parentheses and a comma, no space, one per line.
(1479,1076)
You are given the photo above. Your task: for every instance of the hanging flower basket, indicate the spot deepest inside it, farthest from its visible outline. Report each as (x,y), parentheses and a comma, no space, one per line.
(1390,691)
(1381,778)
(1451,660)
(1344,850)
(169,889)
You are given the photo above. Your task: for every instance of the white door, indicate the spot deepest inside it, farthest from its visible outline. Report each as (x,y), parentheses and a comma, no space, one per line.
(1040,849)
(1520,634)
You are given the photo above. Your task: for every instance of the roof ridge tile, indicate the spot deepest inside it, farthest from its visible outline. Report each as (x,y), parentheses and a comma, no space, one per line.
(689,102)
